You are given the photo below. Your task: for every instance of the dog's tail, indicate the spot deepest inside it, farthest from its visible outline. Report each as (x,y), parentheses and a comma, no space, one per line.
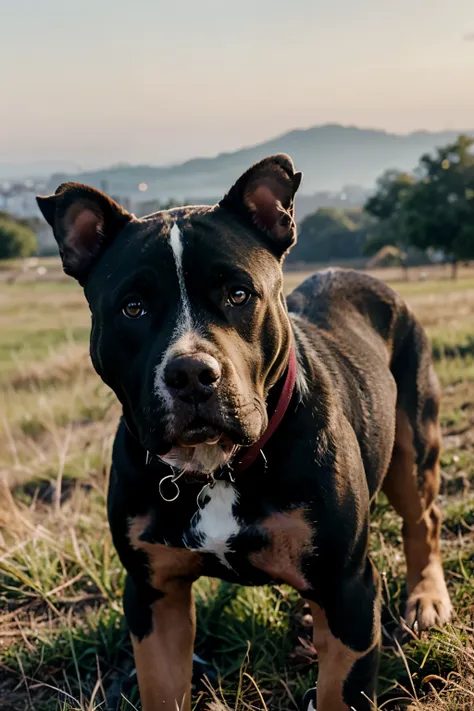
(417,383)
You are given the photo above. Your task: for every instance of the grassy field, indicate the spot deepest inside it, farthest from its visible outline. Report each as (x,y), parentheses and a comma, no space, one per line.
(63,642)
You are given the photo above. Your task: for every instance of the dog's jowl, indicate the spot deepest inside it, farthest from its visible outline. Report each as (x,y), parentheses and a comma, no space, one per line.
(255,431)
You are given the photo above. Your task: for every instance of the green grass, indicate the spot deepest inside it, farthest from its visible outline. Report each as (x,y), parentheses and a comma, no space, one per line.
(37,318)
(63,642)
(433,288)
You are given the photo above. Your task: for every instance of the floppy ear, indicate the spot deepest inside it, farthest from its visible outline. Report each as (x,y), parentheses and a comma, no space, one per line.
(84,222)
(265,193)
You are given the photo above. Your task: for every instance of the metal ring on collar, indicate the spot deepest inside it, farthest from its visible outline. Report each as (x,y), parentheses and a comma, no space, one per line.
(173,481)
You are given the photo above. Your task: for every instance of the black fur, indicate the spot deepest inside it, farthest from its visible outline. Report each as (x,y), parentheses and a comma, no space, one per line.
(362,353)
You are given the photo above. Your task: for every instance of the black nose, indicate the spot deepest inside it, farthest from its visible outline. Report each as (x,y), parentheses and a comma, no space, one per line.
(192,377)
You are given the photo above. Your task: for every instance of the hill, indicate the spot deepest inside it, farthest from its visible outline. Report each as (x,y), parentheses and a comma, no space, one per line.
(331,157)
(35,170)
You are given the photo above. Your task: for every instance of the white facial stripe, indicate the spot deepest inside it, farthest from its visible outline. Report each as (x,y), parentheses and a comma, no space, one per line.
(183,330)
(185,322)
(215,524)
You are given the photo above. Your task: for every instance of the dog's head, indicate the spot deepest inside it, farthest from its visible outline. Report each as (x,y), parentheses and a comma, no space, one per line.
(189,323)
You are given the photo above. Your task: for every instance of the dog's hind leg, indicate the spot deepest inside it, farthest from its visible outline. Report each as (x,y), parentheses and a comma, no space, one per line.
(412,483)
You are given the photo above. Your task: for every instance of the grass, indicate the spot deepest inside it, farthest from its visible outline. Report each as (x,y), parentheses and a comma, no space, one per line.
(63,642)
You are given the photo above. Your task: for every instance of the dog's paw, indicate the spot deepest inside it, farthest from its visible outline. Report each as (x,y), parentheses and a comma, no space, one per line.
(428,604)
(309,700)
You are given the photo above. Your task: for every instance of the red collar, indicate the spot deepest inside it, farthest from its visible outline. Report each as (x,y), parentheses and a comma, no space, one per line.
(285,397)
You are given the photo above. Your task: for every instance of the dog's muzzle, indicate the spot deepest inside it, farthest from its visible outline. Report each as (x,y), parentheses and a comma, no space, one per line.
(192,379)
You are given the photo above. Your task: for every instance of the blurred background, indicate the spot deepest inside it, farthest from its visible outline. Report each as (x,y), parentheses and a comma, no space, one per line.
(167,103)
(164,103)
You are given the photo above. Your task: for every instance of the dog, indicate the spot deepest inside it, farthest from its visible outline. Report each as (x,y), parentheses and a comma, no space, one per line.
(256,431)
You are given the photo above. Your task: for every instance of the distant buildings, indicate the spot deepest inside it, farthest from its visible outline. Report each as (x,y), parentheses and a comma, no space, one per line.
(19,199)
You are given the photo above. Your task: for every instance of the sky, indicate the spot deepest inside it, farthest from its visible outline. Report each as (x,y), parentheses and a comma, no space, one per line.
(98,82)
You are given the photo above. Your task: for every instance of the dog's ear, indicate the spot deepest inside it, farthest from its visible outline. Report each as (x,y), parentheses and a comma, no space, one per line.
(265,193)
(84,222)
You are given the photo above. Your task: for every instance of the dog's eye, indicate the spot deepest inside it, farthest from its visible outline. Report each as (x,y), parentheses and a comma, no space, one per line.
(238,296)
(134,309)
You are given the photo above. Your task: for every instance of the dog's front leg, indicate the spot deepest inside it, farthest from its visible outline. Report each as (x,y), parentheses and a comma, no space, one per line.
(346,635)
(162,628)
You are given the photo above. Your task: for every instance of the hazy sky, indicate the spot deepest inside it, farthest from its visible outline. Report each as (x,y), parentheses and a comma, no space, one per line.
(102,81)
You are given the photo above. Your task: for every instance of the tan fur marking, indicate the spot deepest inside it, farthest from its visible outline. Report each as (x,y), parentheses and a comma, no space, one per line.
(163,658)
(166,564)
(290,536)
(335,662)
(413,498)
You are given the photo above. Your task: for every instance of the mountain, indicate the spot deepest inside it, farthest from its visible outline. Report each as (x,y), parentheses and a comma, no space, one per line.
(40,169)
(331,157)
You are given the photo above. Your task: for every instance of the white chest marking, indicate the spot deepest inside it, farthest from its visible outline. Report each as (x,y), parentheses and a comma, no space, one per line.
(184,322)
(215,523)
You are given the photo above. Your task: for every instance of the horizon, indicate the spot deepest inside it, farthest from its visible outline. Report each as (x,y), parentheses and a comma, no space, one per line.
(118,164)
(156,83)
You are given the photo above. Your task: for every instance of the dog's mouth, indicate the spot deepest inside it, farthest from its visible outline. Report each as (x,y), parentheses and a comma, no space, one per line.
(201,448)
(201,457)
(200,434)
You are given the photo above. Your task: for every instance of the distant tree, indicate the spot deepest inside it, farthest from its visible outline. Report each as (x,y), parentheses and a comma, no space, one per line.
(438,213)
(16,238)
(386,206)
(330,234)
(433,210)
(34,223)
(392,188)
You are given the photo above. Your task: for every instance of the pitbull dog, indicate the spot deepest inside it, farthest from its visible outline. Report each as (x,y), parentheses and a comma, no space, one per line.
(256,431)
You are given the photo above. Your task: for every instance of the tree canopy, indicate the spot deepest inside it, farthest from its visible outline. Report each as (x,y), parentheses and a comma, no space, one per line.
(434,208)
(392,187)
(439,210)
(330,234)
(16,238)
